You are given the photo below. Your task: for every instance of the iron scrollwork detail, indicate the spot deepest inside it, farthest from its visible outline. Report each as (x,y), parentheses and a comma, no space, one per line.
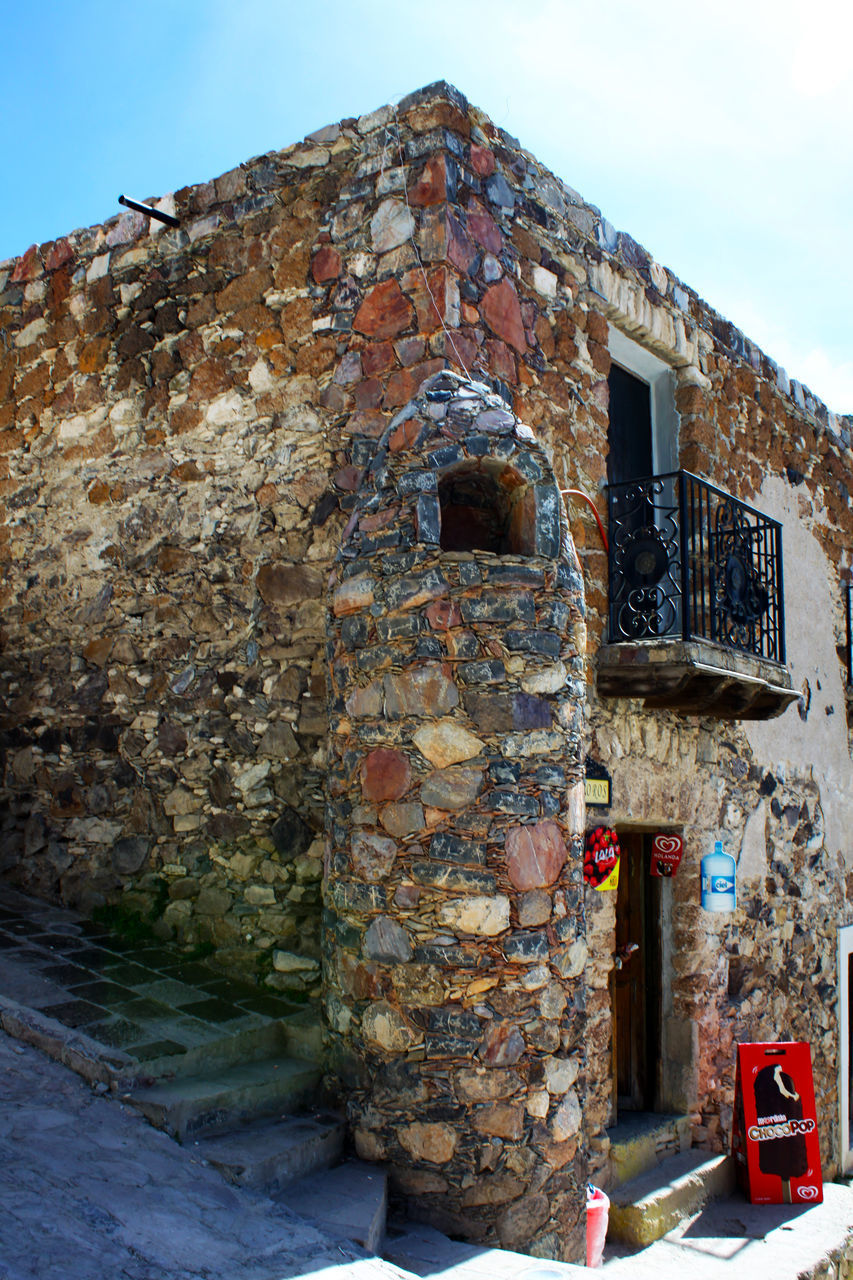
(688,561)
(645,585)
(740,597)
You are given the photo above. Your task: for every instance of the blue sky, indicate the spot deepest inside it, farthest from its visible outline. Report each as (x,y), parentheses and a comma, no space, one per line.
(718,136)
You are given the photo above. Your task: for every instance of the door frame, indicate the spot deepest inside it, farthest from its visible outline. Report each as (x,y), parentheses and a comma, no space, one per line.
(654,952)
(845,994)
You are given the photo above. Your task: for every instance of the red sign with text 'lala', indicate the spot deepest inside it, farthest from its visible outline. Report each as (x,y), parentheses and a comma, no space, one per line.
(774,1131)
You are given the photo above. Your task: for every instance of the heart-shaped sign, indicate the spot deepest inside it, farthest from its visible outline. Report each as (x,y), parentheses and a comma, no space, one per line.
(666,855)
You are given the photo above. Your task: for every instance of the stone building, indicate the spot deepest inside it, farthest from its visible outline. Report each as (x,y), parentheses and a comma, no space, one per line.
(309,637)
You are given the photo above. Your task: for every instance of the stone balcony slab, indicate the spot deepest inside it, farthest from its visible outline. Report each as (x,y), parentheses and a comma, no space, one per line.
(695,677)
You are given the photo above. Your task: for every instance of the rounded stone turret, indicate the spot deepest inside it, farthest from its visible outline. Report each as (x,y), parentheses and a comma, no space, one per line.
(454,929)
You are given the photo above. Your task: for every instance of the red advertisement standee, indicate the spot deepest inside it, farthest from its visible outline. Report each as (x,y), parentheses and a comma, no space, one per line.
(774,1130)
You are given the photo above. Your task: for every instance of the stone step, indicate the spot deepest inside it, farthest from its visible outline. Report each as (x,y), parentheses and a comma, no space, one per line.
(646,1208)
(423,1251)
(271,1155)
(349,1202)
(226,1099)
(642,1139)
(253,1044)
(303,1033)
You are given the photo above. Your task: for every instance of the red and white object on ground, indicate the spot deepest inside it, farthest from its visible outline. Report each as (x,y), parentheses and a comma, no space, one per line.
(775,1140)
(597,1213)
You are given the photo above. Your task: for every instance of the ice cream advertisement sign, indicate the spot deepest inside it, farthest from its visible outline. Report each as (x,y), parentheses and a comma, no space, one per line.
(774,1132)
(666,854)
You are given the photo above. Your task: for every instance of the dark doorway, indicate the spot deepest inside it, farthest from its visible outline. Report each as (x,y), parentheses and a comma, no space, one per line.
(629,433)
(636,986)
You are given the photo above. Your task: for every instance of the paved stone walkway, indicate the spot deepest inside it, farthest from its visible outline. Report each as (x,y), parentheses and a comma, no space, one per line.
(142,1000)
(89,1191)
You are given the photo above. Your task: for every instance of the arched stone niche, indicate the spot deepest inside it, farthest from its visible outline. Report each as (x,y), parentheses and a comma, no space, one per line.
(454,933)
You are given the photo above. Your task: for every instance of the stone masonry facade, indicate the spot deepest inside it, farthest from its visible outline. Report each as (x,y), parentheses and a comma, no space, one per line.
(456,938)
(194,425)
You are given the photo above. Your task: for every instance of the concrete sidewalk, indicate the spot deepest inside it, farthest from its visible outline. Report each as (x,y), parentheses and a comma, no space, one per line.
(89,1190)
(731,1239)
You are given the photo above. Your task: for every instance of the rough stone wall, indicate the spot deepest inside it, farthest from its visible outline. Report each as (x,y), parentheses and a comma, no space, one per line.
(455,932)
(168,517)
(186,419)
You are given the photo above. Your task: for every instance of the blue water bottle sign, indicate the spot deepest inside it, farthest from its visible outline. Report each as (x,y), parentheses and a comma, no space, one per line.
(718,880)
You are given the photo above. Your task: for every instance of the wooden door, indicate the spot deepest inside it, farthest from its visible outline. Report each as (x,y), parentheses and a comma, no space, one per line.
(636,985)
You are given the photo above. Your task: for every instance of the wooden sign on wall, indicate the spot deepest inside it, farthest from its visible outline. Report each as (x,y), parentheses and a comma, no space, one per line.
(597,785)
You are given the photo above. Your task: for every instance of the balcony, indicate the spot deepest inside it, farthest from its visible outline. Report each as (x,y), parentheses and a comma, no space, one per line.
(696,606)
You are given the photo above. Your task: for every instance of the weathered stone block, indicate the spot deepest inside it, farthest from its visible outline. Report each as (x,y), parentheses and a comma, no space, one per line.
(547,643)
(480,916)
(291,835)
(385,312)
(452,788)
(509,606)
(435,1143)
(385,774)
(372,856)
(491,671)
(391,225)
(567,1118)
(412,592)
(402,819)
(130,855)
(493,1188)
(281,584)
(355,897)
(500,1120)
(520,1222)
(452,848)
(535,855)
(449,876)
(353,595)
(534,908)
(458,1022)
(398,628)
(424,691)
(447,743)
(387,941)
(526,948)
(385,1028)
(502,312)
(514,802)
(560,1074)
(482,1084)
(213,902)
(428,518)
(503,1045)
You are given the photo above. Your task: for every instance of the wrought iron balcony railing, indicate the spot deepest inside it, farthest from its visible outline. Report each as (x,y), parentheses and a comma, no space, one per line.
(688,561)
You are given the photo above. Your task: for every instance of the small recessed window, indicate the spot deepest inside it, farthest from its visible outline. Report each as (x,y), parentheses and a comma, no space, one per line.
(486,507)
